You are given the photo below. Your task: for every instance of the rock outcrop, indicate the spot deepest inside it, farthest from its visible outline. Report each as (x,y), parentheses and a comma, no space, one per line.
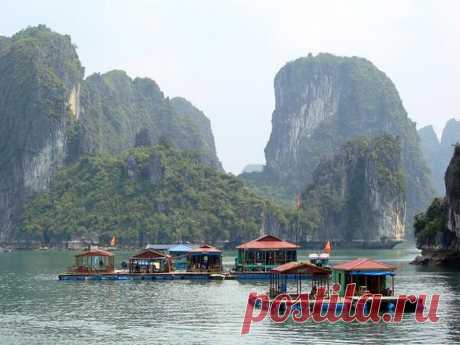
(324,101)
(438,153)
(359,194)
(437,230)
(114,108)
(197,121)
(431,149)
(250,168)
(40,71)
(452,179)
(50,116)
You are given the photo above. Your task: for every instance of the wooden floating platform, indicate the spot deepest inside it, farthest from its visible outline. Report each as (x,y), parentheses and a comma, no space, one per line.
(257,276)
(242,276)
(117,276)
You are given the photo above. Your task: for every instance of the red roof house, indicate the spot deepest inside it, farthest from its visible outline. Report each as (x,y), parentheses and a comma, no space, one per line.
(264,254)
(94,261)
(363,264)
(268,242)
(368,275)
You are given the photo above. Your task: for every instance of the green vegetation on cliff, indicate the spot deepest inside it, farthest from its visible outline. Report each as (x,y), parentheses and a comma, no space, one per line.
(115,108)
(50,117)
(438,227)
(427,225)
(38,69)
(358,193)
(321,103)
(197,122)
(145,195)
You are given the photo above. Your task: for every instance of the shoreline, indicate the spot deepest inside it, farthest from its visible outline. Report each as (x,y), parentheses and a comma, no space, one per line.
(311,245)
(437,257)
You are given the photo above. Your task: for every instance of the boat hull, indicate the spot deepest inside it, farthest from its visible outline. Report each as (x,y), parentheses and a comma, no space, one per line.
(387,305)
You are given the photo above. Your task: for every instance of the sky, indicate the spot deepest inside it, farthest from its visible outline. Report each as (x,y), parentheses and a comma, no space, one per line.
(223,55)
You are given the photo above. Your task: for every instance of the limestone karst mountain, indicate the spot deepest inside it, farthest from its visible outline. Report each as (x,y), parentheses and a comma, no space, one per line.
(50,116)
(321,103)
(437,152)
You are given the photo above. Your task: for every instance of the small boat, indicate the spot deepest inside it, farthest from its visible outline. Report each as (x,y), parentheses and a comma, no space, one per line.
(5,250)
(217,276)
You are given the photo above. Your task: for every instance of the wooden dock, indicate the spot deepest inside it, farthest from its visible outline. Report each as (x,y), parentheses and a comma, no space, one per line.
(241,276)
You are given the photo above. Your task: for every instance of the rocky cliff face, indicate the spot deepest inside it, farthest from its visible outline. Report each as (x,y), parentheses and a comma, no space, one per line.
(450,134)
(438,153)
(201,126)
(431,149)
(359,193)
(437,230)
(324,101)
(39,69)
(114,108)
(452,179)
(250,168)
(50,116)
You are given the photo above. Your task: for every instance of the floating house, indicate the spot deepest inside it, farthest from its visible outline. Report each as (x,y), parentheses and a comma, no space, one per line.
(94,261)
(204,258)
(264,253)
(150,261)
(179,254)
(299,274)
(370,276)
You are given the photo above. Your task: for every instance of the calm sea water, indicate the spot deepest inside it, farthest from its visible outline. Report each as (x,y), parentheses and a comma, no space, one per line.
(36,308)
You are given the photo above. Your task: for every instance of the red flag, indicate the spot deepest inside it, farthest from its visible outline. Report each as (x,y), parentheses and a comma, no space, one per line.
(328,247)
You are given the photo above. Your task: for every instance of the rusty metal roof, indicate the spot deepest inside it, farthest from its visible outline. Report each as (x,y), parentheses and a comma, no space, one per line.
(205,248)
(149,254)
(301,267)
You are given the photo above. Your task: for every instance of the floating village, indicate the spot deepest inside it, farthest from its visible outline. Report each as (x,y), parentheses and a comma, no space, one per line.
(267,258)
